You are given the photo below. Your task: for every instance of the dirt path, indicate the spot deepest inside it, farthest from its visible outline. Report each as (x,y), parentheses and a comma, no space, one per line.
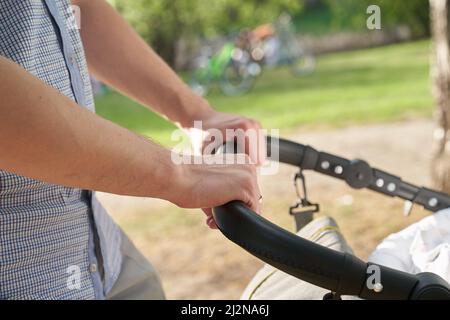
(195,263)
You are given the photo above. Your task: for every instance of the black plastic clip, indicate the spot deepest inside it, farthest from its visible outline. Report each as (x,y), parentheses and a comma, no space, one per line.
(303,210)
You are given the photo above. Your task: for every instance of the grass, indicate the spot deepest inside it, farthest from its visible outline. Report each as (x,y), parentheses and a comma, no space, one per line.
(365,86)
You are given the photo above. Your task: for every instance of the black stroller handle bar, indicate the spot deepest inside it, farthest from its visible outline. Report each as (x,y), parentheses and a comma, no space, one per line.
(341,273)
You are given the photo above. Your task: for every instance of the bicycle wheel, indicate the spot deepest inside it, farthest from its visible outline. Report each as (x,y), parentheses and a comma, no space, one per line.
(239,77)
(304,65)
(200,82)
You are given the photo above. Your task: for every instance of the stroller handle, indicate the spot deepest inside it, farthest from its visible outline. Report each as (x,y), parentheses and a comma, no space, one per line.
(341,273)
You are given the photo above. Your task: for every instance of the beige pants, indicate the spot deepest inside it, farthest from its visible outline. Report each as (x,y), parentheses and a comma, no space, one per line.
(138,279)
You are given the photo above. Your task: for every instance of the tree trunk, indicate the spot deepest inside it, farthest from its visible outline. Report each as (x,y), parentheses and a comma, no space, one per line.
(440,74)
(166,48)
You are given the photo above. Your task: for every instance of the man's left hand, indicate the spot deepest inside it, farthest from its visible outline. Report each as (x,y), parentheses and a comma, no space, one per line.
(254,140)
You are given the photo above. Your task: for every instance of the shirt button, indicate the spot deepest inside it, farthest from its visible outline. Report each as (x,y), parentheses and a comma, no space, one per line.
(93,268)
(72,59)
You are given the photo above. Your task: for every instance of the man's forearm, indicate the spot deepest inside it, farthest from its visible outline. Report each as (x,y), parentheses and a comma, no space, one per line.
(120,58)
(46,136)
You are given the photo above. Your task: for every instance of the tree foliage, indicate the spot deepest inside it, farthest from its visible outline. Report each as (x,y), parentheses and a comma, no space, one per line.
(163,22)
(412,13)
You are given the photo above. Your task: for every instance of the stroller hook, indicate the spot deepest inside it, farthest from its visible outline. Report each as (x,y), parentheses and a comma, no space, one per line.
(303,210)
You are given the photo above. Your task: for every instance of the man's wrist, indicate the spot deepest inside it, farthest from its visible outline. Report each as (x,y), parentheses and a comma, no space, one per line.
(170,181)
(195,109)
(181,185)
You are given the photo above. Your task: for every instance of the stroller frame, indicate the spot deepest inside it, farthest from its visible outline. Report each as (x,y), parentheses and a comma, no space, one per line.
(341,273)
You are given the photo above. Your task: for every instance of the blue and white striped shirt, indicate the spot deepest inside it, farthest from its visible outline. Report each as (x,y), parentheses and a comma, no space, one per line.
(49,233)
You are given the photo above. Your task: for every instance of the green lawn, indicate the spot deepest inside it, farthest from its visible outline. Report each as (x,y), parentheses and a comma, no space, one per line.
(374,85)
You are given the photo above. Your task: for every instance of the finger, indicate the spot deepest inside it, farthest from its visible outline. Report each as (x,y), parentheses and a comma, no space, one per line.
(209,218)
(259,198)
(253,203)
(197,137)
(207,211)
(255,145)
(209,144)
(211,223)
(250,148)
(205,142)
(250,193)
(261,147)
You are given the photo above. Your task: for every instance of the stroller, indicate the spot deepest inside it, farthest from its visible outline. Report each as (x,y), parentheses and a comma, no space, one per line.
(339,273)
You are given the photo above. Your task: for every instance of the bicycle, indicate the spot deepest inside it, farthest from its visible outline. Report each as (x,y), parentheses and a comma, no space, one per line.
(231,68)
(278,45)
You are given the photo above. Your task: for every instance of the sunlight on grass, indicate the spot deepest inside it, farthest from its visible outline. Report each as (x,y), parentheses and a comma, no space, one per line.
(373,85)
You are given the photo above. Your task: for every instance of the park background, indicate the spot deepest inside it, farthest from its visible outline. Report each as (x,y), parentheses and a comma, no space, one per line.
(370,97)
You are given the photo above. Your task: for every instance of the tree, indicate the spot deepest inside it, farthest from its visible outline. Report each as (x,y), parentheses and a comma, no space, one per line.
(440,73)
(164,22)
(412,13)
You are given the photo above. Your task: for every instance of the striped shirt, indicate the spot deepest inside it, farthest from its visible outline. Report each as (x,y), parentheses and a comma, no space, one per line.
(54,240)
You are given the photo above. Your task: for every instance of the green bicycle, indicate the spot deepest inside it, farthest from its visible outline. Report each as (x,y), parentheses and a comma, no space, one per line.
(231,68)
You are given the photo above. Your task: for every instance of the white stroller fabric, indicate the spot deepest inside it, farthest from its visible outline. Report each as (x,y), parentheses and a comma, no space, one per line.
(421,247)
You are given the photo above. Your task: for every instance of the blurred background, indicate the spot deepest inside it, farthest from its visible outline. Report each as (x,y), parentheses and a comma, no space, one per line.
(322,74)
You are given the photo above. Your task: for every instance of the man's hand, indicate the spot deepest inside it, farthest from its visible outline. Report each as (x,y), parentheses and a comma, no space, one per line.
(230,179)
(209,185)
(242,129)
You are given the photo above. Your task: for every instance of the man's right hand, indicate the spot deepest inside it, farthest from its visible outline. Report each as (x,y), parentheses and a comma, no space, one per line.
(210,185)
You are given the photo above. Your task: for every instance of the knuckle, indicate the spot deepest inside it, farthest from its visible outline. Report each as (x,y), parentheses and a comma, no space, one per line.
(255,123)
(245,125)
(247,160)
